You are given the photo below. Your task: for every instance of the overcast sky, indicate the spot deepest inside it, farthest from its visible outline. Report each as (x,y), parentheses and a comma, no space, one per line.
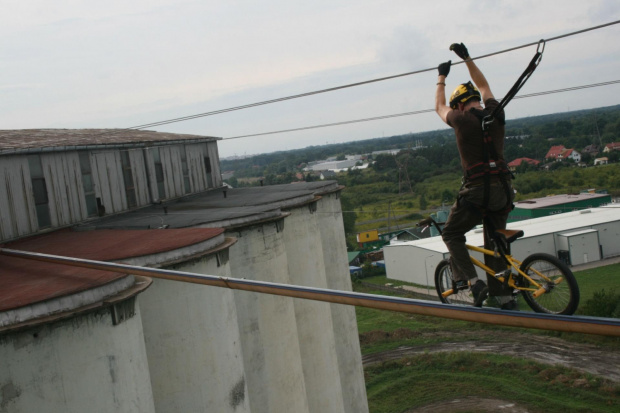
(118,64)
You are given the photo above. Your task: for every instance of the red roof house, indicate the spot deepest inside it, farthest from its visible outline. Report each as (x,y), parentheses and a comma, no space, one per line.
(519,161)
(555,151)
(559,153)
(569,154)
(614,146)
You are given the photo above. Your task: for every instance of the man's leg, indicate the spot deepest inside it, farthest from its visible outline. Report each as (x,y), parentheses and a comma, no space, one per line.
(498,220)
(497,201)
(461,219)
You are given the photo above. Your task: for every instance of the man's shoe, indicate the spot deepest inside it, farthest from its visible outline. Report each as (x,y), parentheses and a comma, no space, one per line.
(480,292)
(510,305)
(461,285)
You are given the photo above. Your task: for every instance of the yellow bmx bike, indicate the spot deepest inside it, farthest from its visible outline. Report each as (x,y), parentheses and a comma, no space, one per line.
(546,283)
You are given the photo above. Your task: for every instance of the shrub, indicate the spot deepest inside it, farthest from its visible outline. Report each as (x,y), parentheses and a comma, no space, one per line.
(369,270)
(604,303)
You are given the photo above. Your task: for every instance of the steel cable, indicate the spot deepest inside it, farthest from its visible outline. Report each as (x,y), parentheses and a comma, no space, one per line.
(316,92)
(418,112)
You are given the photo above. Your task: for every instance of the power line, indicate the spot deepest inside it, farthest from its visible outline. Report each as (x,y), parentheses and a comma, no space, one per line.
(418,112)
(325,125)
(316,92)
(568,89)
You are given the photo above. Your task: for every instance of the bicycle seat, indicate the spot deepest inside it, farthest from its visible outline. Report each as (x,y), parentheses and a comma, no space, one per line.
(508,235)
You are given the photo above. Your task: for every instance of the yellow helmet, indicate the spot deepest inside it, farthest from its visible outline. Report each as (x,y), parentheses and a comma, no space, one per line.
(463,93)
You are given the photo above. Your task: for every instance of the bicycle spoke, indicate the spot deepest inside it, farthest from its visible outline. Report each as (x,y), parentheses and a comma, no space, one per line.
(561,294)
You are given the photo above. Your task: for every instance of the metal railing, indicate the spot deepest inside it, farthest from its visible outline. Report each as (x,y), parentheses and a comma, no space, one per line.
(575,324)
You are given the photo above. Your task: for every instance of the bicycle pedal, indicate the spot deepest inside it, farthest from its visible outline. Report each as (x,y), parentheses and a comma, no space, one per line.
(461,285)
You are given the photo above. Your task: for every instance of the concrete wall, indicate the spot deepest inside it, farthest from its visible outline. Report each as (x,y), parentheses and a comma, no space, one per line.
(84,364)
(344,321)
(315,327)
(268,329)
(193,344)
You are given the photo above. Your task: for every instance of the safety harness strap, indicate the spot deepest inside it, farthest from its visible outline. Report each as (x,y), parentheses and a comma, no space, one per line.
(491,165)
(522,79)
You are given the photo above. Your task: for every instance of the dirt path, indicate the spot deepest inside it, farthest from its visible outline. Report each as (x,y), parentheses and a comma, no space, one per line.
(471,404)
(550,350)
(587,358)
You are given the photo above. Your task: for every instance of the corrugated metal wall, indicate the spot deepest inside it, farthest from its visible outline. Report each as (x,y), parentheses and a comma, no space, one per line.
(138,169)
(181,170)
(108,179)
(63,178)
(173,174)
(17,211)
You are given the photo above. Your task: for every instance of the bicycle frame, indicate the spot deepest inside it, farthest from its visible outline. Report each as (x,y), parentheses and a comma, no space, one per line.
(514,263)
(537,289)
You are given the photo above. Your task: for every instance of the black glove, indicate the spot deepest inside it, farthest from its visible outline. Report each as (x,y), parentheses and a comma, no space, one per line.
(460,50)
(444,68)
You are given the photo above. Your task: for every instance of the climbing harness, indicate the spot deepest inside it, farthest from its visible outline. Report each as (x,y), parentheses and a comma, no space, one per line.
(491,165)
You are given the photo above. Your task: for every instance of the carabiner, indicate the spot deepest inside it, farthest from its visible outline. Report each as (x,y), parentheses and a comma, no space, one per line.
(486,122)
(543,42)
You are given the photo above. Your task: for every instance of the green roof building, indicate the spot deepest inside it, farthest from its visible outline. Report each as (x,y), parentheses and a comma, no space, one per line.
(556,204)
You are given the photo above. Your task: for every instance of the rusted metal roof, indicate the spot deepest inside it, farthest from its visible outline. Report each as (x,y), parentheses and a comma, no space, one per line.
(36,140)
(26,282)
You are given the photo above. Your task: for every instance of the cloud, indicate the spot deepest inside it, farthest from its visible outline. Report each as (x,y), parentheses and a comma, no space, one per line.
(405,47)
(71,63)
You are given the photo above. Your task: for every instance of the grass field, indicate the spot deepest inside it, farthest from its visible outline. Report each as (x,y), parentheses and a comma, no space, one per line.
(418,381)
(595,279)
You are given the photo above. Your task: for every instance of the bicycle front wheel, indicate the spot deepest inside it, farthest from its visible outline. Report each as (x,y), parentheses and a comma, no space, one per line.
(562,291)
(444,282)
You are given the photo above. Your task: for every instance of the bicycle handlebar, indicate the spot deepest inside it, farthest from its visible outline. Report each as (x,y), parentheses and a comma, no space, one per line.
(426,222)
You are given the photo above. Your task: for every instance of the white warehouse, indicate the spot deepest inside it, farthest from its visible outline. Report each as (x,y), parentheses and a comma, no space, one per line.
(575,237)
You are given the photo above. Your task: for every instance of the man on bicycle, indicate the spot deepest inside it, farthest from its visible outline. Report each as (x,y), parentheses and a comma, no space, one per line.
(486,192)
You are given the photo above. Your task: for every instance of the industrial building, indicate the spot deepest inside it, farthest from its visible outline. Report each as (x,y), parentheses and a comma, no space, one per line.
(557,204)
(75,339)
(575,237)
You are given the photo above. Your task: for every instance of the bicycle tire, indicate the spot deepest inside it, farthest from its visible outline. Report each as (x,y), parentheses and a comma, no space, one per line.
(444,282)
(562,298)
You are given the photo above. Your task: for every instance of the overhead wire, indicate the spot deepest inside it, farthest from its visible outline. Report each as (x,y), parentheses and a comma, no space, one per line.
(418,112)
(332,89)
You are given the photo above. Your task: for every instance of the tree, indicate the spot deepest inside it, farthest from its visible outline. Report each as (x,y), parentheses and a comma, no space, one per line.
(423,202)
(233,182)
(447,196)
(384,162)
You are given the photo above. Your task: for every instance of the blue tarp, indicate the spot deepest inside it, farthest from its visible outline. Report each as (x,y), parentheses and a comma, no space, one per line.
(355,270)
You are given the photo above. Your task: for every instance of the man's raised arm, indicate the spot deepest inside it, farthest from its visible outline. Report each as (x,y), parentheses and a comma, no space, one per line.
(440,94)
(476,75)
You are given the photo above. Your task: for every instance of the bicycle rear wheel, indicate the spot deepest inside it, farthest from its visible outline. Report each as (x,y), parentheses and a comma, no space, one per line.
(444,282)
(562,295)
